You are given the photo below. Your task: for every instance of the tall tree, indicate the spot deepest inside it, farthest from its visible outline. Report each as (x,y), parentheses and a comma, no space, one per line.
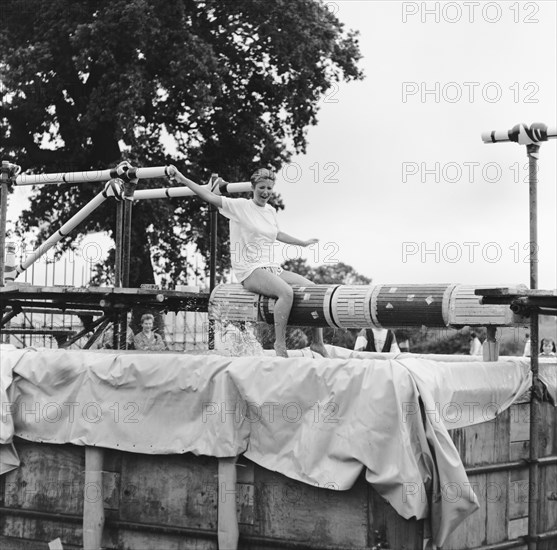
(211,85)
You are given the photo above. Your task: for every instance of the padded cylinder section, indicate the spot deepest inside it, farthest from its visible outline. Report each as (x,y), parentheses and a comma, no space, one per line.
(351,306)
(311,306)
(465,309)
(411,305)
(233,303)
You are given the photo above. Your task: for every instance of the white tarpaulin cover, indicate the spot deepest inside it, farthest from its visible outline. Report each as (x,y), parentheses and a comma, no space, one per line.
(319,421)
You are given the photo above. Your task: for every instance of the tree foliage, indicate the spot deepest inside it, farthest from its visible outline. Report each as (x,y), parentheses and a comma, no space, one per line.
(439,341)
(211,86)
(330,273)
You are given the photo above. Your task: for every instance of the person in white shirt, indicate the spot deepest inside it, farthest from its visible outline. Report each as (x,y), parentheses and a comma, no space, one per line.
(475,344)
(254,232)
(376,339)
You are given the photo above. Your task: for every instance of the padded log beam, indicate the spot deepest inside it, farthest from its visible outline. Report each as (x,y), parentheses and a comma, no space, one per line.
(346,306)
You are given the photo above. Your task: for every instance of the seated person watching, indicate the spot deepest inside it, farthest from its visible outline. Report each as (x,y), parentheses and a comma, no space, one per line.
(148,340)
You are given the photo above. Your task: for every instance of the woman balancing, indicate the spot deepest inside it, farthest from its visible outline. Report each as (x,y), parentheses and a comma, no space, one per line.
(253,233)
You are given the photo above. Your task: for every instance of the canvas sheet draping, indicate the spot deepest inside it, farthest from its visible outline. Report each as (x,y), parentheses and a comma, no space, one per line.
(319,421)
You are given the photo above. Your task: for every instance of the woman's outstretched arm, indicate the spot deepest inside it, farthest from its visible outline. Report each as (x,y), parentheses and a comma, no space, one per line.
(288,239)
(202,191)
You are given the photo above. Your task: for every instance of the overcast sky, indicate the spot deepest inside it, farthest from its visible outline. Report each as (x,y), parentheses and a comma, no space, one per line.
(396,180)
(396,174)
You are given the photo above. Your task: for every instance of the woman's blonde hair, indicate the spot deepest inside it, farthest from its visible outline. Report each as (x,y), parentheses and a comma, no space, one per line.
(262,174)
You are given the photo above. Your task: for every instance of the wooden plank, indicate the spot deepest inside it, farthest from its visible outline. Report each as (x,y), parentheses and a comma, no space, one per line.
(245,486)
(485,443)
(477,444)
(50,478)
(514,291)
(142,540)
(548,429)
(517,528)
(179,490)
(111,490)
(520,450)
(547,519)
(350,517)
(520,430)
(387,526)
(41,531)
(298,512)
(518,495)
(520,422)
(9,543)
(554,451)
(245,503)
(93,502)
(111,480)
(227,517)
(497,512)
(497,483)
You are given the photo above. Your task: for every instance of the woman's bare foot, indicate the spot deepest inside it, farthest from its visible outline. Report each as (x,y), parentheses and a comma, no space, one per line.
(281,351)
(320,349)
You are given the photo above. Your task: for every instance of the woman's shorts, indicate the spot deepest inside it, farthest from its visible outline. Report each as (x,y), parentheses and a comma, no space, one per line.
(273,269)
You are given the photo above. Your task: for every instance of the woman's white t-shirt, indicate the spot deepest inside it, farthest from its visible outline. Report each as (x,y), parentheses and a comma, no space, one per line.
(253,235)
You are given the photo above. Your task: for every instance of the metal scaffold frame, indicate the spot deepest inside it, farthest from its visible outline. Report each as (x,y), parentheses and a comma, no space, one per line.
(120,184)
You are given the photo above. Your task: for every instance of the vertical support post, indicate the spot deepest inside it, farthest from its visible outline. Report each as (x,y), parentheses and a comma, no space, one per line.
(126,255)
(3,220)
(118,245)
(535,420)
(533,486)
(213,224)
(126,243)
(118,269)
(9,262)
(5,179)
(228,532)
(533,155)
(93,501)
(116,329)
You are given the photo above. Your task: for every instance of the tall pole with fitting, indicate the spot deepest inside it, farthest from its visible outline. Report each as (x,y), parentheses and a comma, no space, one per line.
(8,172)
(122,242)
(130,184)
(531,137)
(213,225)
